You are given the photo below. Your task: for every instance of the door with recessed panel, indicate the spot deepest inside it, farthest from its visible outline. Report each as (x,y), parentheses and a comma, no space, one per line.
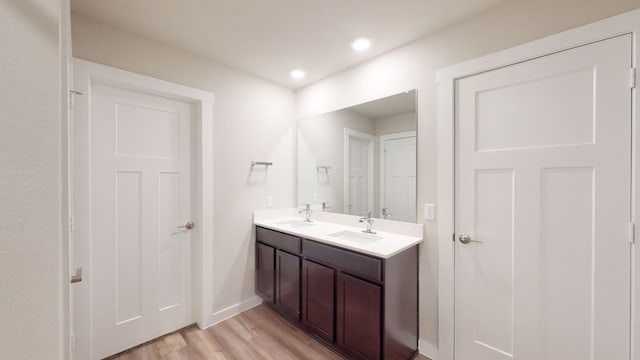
(542,209)
(399,173)
(358,185)
(140,155)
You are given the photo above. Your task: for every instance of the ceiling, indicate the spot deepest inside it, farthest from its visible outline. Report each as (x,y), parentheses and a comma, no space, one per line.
(398,104)
(269,38)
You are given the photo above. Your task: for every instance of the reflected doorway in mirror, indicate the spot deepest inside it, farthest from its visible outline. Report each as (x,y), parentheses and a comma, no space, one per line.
(321,143)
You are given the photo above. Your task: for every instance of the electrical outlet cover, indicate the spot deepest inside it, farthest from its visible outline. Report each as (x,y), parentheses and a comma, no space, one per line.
(429,211)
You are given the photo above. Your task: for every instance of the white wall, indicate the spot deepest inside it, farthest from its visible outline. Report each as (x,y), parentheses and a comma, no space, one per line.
(320,142)
(32,179)
(395,124)
(414,67)
(253,121)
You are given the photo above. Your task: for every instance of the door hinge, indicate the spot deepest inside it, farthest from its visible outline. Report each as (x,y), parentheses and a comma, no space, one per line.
(71,95)
(70,223)
(632,233)
(633,77)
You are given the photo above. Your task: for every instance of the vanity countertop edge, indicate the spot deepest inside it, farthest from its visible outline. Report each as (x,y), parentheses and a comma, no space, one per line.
(396,236)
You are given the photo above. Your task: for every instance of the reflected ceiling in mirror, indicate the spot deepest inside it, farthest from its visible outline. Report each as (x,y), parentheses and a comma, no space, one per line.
(361,158)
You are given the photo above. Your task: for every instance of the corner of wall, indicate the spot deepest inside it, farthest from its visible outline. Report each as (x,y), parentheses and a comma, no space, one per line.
(230,312)
(428,349)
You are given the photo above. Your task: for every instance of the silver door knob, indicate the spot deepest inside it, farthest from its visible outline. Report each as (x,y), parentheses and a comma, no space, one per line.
(190,225)
(465,239)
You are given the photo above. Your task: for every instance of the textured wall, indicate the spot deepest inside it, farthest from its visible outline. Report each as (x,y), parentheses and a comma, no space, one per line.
(30,180)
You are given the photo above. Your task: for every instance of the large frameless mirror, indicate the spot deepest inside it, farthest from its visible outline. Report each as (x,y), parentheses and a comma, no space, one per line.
(361,158)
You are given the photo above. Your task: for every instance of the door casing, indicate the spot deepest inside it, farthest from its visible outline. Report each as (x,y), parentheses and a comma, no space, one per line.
(86,74)
(627,23)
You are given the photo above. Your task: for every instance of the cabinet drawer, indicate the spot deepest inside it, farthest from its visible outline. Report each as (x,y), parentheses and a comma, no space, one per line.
(346,260)
(278,240)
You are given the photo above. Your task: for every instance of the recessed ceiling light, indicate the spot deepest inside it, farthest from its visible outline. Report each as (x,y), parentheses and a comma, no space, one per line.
(361,44)
(297,74)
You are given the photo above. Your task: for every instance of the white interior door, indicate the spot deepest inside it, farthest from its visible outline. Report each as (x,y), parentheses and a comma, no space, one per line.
(543,154)
(399,174)
(358,172)
(140,184)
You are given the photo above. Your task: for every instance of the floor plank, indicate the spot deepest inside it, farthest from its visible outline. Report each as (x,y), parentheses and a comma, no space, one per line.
(258,334)
(169,344)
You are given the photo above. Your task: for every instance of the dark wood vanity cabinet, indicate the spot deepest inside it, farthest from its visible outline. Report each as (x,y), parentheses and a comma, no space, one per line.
(287,284)
(358,317)
(318,289)
(265,271)
(362,306)
(278,271)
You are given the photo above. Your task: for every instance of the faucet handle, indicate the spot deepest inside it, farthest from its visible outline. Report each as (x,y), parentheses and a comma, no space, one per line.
(307,212)
(307,207)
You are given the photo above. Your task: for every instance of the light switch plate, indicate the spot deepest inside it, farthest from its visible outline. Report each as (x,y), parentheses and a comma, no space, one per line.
(429,211)
(269,201)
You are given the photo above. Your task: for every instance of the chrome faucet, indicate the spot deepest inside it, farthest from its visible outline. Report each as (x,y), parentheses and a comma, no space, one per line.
(325,207)
(386,214)
(369,220)
(307,212)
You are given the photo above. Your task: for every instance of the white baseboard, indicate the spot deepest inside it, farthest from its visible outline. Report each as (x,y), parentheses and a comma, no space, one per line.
(428,349)
(231,311)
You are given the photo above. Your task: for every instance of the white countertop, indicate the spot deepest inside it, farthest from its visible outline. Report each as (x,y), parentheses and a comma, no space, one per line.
(396,236)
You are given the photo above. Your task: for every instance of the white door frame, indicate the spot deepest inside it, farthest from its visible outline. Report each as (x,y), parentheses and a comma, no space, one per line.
(627,23)
(86,74)
(381,159)
(349,133)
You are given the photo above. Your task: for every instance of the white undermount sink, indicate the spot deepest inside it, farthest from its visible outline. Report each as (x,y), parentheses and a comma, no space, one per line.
(296,223)
(356,236)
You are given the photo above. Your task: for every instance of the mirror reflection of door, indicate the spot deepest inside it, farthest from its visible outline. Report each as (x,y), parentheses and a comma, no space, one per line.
(359,172)
(346,176)
(398,177)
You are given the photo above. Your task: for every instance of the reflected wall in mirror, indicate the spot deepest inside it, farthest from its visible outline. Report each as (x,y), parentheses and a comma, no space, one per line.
(361,158)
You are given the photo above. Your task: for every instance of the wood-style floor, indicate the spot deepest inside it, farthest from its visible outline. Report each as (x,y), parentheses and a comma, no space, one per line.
(258,333)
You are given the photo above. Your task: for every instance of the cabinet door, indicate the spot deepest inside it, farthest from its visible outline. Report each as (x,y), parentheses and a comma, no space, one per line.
(358,317)
(317,299)
(288,284)
(265,271)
